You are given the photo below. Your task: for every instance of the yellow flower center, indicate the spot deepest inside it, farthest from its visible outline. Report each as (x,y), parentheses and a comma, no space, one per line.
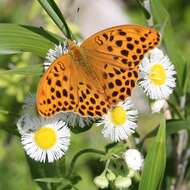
(157,74)
(118,115)
(45,137)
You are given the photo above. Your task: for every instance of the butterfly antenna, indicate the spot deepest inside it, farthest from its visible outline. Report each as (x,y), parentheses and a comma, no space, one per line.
(76,15)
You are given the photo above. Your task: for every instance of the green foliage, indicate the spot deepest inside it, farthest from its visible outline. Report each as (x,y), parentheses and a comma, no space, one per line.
(174,126)
(55,13)
(18,80)
(17,39)
(155,161)
(162,18)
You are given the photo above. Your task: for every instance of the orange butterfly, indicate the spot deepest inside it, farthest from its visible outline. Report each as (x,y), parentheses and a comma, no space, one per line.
(92,78)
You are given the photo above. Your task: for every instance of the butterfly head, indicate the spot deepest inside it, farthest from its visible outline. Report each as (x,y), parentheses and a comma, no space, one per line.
(75,51)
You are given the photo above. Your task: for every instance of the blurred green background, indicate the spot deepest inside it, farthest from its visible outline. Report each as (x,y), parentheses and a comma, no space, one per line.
(14,170)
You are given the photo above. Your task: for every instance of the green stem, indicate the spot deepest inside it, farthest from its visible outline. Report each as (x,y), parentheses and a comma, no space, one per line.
(137,176)
(75,158)
(106,167)
(130,142)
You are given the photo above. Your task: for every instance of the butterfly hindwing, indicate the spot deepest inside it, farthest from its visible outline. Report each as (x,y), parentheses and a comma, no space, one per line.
(53,93)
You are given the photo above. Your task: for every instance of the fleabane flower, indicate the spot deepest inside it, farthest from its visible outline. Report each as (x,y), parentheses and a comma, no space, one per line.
(120,121)
(157,75)
(133,159)
(44,139)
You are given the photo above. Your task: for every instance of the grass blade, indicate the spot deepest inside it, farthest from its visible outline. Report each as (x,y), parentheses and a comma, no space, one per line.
(174,126)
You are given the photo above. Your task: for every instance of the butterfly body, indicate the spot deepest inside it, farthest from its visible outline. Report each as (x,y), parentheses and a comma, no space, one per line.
(81,62)
(93,77)
(75,52)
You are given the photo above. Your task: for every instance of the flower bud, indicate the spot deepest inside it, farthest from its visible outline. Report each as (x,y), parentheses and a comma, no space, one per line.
(131,173)
(101,181)
(110,176)
(123,182)
(134,159)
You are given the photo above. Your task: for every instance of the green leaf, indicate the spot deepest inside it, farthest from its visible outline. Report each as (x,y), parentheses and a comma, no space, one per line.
(186,77)
(2,111)
(54,12)
(43,171)
(52,180)
(17,39)
(145,11)
(173,126)
(162,18)
(114,149)
(147,123)
(29,70)
(155,161)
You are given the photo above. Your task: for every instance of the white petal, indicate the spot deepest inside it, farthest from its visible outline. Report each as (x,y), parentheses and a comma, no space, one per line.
(156,55)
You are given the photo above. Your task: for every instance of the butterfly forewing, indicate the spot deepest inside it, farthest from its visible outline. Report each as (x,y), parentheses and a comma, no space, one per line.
(115,54)
(122,44)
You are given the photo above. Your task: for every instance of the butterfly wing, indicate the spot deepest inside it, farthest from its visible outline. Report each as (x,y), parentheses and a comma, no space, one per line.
(115,55)
(125,44)
(53,94)
(65,87)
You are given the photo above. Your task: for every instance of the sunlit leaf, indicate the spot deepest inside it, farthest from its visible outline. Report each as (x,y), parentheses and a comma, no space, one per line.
(29,70)
(16,39)
(51,180)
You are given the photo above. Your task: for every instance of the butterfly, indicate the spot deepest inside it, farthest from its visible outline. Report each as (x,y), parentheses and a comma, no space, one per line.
(93,77)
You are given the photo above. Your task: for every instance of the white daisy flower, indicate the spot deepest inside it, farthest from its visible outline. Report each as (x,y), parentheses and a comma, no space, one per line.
(53,54)
(157,74)
(44,139)
(119,122)
(134,159)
